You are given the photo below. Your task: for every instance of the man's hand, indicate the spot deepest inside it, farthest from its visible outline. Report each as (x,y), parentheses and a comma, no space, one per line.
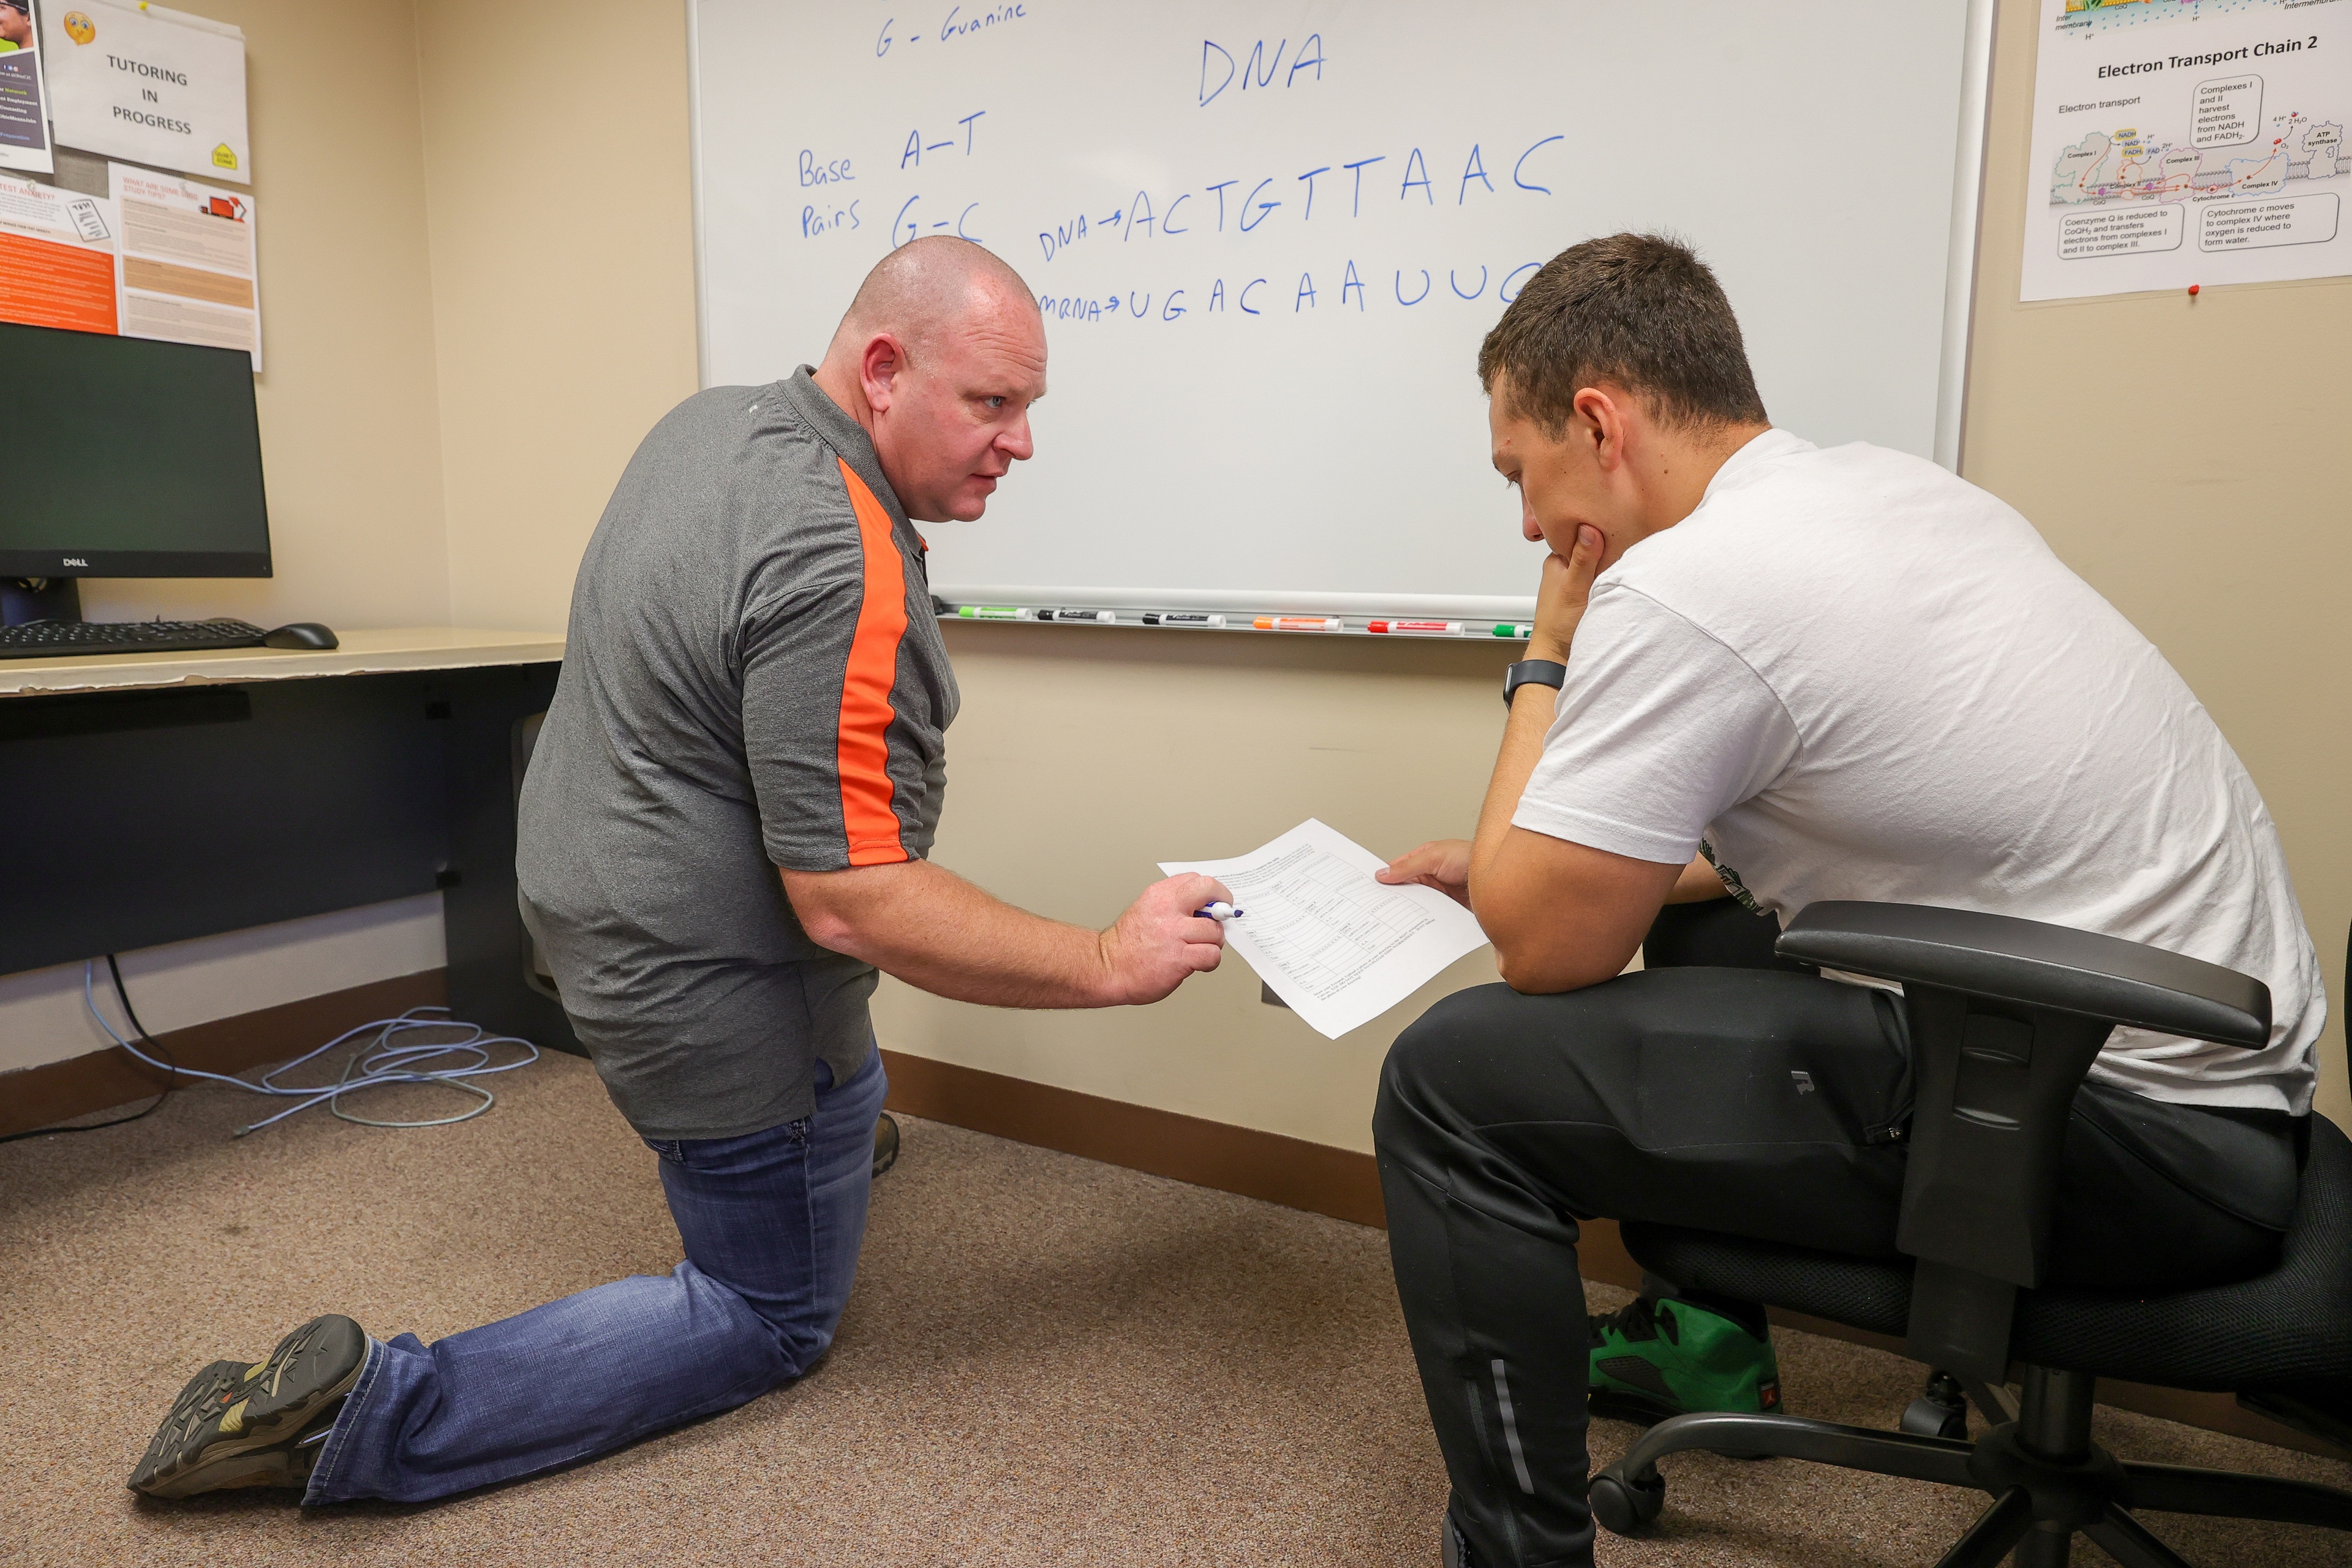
(1560,598)
(933,930)
(1151,949)
(1442,863)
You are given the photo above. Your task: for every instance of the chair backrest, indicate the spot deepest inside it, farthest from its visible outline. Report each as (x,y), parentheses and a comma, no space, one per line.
(2006,1016)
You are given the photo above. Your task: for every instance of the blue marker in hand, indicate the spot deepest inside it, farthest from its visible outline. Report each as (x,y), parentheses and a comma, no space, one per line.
(1218,911)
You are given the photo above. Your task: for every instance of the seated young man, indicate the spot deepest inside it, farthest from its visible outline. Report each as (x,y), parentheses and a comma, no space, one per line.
(1781,673)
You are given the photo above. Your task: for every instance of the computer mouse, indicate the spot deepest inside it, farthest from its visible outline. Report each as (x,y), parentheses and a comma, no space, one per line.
(301,633)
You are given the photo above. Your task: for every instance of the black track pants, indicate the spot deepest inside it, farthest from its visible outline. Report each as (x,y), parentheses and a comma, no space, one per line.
(1761,1103)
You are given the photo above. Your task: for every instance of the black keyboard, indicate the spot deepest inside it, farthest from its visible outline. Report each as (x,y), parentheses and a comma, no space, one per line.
(63,640)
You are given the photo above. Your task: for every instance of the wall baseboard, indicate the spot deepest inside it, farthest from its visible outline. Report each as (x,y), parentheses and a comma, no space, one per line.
(104,1080)
(1291,1172)
(1345,1185)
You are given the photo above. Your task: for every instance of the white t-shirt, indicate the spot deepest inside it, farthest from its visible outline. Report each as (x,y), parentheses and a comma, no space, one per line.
(1857,676)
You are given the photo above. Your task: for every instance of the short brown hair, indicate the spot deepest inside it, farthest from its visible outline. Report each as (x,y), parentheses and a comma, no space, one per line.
(1639,309)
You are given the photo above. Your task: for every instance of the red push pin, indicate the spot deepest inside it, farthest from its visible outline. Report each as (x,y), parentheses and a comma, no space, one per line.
(2193,291)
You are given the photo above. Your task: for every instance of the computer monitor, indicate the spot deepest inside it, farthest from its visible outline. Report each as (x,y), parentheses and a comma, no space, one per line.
(128,458)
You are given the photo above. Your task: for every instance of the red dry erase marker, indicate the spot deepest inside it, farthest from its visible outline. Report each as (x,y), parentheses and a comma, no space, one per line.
(1425,628)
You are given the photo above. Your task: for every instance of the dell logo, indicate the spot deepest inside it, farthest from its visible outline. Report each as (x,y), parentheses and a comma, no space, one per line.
(76,561)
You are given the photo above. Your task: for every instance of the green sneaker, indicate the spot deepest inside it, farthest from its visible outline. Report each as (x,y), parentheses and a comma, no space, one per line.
(1655,1359)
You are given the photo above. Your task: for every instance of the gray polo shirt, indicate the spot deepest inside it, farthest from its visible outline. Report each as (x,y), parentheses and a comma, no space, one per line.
(753,679)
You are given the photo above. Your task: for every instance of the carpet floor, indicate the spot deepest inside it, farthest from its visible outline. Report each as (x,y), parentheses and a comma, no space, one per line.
(1046,1361)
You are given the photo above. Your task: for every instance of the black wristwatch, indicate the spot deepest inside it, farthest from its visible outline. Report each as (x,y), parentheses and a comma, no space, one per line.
(1541,671)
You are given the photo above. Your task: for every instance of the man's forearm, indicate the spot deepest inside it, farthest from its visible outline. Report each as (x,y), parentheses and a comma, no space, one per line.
(1560,914)
(933,930)
(1523,737)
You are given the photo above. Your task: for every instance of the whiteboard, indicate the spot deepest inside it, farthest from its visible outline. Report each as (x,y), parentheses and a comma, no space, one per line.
(1268,239)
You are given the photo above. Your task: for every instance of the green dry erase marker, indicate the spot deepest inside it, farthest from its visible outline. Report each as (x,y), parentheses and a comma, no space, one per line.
(994,613)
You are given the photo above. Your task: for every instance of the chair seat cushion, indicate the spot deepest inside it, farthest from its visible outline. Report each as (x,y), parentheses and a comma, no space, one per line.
(2288,1326)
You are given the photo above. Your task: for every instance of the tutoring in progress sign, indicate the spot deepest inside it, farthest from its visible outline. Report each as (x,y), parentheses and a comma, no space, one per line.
(156,86)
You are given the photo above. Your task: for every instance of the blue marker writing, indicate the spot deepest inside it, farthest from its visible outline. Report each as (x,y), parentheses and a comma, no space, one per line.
(1220,910)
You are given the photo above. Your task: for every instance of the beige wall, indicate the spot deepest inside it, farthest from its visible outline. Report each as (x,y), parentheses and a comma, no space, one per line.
(562,276)
(351,449)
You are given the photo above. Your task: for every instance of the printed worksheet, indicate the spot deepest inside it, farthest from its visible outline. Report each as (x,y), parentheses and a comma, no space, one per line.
(1338,947)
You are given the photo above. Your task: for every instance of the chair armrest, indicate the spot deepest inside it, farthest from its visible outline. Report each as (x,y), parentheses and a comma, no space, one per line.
(2005,959)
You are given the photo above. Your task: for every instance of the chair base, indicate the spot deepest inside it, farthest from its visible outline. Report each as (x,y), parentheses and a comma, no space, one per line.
(2047,1479)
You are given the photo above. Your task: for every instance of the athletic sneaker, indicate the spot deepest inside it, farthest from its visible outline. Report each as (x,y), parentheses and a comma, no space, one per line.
(1655,1359)
(260,1425)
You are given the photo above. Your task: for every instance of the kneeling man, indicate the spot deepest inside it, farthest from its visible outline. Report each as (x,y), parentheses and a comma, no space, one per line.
(1775,674)
(723,837)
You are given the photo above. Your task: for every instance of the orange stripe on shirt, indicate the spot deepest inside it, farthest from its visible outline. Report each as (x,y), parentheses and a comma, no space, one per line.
(863,749)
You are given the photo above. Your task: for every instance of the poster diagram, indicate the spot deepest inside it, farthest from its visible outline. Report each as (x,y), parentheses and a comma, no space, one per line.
(2188,142)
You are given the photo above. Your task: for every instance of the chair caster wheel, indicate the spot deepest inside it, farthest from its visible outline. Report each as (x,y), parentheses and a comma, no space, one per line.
(1623,1505)
(1941,1411)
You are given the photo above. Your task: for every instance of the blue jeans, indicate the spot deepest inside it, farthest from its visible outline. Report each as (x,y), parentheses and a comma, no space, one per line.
(772,1223)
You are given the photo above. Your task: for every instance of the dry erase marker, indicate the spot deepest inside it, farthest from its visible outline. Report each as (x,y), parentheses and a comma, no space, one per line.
(1099,617)
(1220,910)
(1519,629)
(994,613)
(1417,629)
(1182,618)
(1299,624)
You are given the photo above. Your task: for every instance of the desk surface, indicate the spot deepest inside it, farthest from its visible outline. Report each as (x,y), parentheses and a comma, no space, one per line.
(363,653)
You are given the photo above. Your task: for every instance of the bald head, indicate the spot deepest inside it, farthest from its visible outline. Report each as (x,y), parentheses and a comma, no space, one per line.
(939,358)
(929,288)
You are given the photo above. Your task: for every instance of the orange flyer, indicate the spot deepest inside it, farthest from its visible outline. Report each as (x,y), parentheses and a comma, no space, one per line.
(56,258)
(45,284)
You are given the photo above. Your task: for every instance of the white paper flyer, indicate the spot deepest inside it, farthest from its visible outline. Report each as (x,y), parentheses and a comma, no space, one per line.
(189,273)
(1340,948)
(157,87)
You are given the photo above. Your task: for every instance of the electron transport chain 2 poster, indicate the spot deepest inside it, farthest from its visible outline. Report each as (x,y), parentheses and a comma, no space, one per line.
(2180,142)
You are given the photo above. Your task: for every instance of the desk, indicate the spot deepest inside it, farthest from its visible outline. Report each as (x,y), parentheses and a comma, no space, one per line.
(148,798)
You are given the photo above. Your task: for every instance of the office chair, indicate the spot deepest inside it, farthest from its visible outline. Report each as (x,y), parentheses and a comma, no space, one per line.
(2006,1016)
